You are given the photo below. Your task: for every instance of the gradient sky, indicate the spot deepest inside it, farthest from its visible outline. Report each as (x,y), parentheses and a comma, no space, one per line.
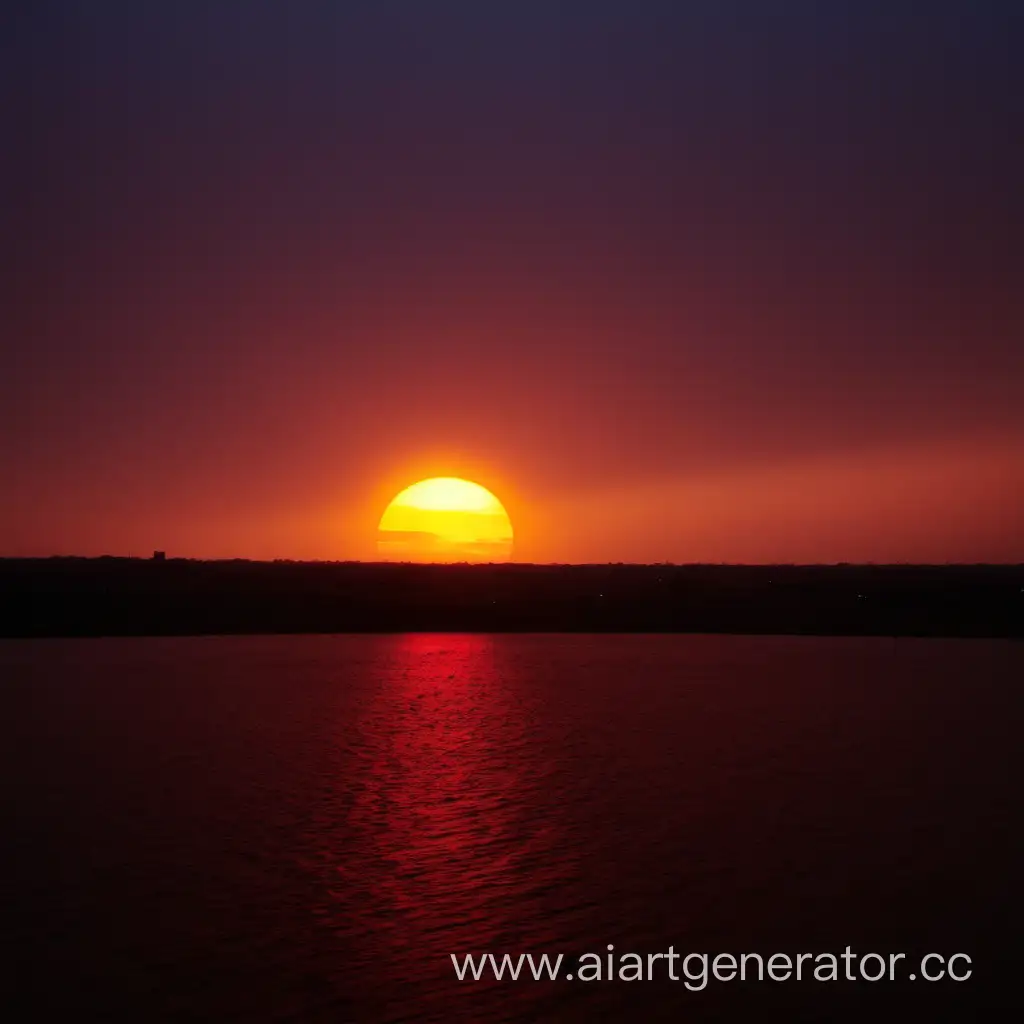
(703,281)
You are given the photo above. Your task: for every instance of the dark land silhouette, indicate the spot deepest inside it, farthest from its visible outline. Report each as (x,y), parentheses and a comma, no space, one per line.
(107,596)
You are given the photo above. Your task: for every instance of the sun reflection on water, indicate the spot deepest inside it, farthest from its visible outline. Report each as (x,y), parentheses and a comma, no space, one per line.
(441,848)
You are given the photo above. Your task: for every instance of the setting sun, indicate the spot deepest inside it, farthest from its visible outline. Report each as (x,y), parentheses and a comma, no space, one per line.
(445,519)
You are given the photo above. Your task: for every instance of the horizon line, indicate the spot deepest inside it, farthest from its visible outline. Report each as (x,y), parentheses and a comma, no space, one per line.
(396,562)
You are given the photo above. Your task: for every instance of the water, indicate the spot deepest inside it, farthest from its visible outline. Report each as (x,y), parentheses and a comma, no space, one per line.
(304,828)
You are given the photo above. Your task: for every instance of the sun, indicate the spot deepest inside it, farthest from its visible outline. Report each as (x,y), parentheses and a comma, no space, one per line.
(445,519)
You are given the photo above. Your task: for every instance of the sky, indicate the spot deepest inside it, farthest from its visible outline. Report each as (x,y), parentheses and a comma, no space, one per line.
(715,281)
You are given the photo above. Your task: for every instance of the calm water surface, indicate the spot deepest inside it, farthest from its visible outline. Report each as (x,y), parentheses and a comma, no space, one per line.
(304,828)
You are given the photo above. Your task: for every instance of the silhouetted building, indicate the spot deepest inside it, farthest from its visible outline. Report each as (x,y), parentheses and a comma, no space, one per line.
(159,556)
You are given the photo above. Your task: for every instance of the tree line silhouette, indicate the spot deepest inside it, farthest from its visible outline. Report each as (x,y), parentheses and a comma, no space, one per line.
(176,596)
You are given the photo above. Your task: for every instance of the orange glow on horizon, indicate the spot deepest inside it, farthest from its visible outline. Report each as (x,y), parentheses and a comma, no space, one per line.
(445,519)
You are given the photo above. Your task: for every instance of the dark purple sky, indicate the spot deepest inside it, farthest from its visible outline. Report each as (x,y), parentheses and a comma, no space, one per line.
(693,281)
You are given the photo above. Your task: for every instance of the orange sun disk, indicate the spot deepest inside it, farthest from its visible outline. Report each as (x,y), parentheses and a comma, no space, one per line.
(445,519)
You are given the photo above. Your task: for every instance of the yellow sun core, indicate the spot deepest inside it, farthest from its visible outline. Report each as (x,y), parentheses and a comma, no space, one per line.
(445,519)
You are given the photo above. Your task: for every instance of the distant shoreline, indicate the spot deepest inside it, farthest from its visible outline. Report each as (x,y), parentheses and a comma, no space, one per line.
(69,596)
